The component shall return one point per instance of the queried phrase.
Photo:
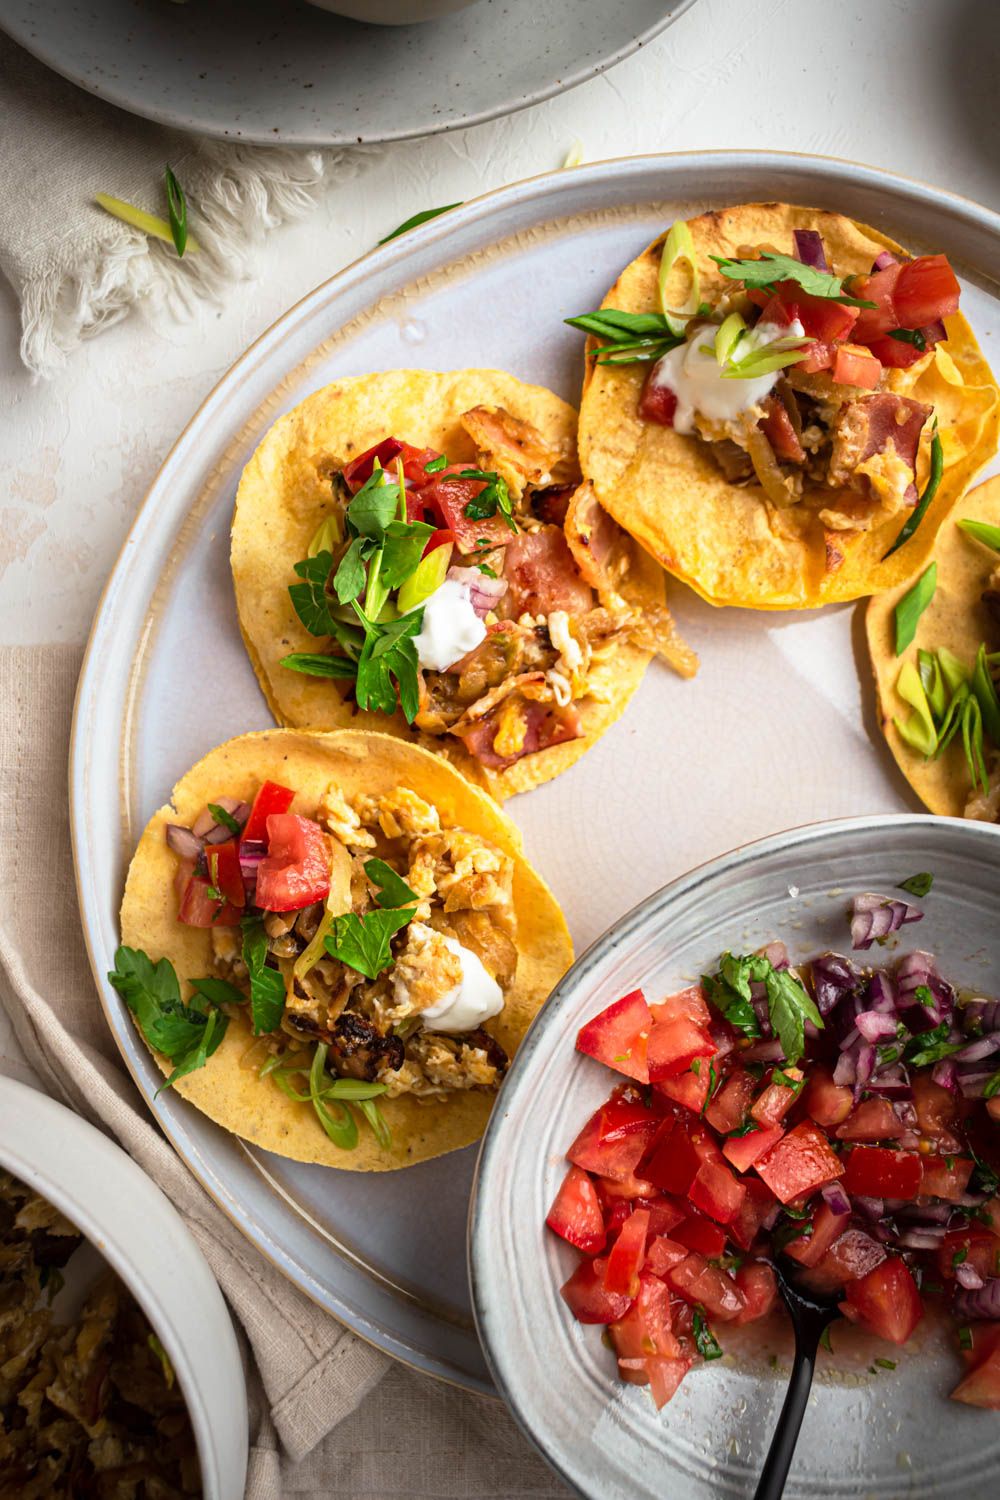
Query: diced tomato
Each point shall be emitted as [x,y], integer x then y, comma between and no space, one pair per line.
[717,1192]
[664,1213]
[774,310]
[630,1187]
[689,1089]
[852,1255]
[853,365]
[360,469]
[296,869]
[777,427]
[576,1213]
[587,1297]
[887,1300]
[872,1120]
[678,1155]
[756,1207]
[442,537]
[657,403]
[826,1102]
[448,496]
[200,909]
[616,1212]
[271,798]
[877,1172]
[938,1179]
[936,1108]
[990,1215]
[879,288]
[775,1101]
[728,1107]
[819,355]
[981,1387]
[689,1003]
[895,354]
[224,871]
[984,1339]
[617,1037]
[614,1139]
[826,1228]
[627,1255]
[665,1375]
[758,1287]
[646,1327]
[744,1150]
[820,318]
[699,1233]
[799,1163]
[926,289]
[976,1247]
[673,1046]
[663,1253]
[707,1286]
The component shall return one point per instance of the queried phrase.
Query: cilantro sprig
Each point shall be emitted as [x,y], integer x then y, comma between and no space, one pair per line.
[773,267]
[186,1034]
[493,498]
[789,1006]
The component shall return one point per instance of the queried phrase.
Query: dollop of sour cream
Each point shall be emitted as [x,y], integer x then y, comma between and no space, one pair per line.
[470,1003]
[695,376]
[450,627]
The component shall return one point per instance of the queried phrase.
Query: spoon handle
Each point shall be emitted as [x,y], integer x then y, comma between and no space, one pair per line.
[782,1450]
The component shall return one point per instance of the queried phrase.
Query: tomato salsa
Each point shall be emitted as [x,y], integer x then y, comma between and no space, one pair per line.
[841,1116]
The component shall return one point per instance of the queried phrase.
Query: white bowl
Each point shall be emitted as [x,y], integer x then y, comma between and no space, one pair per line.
[139,1233]
[392,12]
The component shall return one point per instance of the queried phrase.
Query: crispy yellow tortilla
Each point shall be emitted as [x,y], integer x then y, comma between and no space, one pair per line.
[228,1088]
[957,618]
[285,493]
[727,541]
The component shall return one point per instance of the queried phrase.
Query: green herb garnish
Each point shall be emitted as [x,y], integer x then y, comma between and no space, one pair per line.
[267,986]
[186,1034]
[628,338]
[908,336]
[393,889]
[225,818]
[320,664]
[417,219]
[982,531]
[933,482]
[747,1128]
[790,1008]
[485,568]
[494,497]
[177,209]
[912,605]
[992,1086]
[362,943]
[436,465]
[773,267]
[917,885]
[931,1046]
[706,1343]
[965,1337]
[960,1257]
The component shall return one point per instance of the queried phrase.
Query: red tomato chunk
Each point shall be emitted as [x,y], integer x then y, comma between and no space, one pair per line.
[800,1163]
[617,1037]
[877,1172]
[627,1255]
[587,1297]
[614,1140]
[576,1213]
[887,1300]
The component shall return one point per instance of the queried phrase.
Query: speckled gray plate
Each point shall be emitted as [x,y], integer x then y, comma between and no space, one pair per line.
[887,1436]
[277,70]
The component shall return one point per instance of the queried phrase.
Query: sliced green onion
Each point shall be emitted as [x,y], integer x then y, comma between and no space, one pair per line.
[327,537]
[954,672]
[983,532]
[918,730]
[353,1089]
[934,480]
[728,335]
[177,208]
[933,683]
[986,696]
[952,720]
[678,248]
[417,219]
[574,155]
[912,605]
[776,356]
[972,744]
[428,576]
[376,1120]
[339,1124]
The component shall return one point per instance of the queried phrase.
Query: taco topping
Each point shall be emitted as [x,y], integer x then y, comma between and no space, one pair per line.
[839,1116]
[451,592]
[788,379]
[368,945]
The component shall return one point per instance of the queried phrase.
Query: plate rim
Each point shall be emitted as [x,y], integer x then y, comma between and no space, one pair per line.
[550,189]
[803,836]
[192,124]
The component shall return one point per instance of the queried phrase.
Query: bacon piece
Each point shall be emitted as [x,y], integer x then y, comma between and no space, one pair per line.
[657,402]
[542,576]
[505,442]
[777,427]
[867,426]
[546,725]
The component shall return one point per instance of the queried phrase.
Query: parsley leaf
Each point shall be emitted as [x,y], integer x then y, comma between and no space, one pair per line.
[931,1046]
[349,579]
[747,1128]
[362,943]
[186,1034]
[319,664]
[309,598]
[729,991]
[494,497]
[373,507]
[403,548]
[705,1341]
[912,336]
[790,1008]
[773,267]
[393,889]
[225,818]
[267,986]
[389,656]
[917,885]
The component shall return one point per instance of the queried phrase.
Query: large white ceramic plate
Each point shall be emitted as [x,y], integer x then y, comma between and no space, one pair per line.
[885,1436]
[281,70]
[774,731]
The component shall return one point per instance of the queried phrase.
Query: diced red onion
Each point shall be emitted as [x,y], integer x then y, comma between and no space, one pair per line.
[984,1302]
[183,842]
[833,977]
[211,832]
[973,1085]
[927,1213]
[772,1218]
[968,1277]
[484,592]
[892,1081]
[768,1051]
[252,851]
[776,954]
[921,1239]
[981,1015]
[836,1199]
[906,1113]
[945,1074]
[884,260]
[874,917]
[874,1027]
[846,1071]
[972,1200]
[871,1208]
[809,248]
[881,994]
[976,1051]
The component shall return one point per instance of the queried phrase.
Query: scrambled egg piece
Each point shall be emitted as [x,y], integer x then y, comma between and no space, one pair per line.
[338,817]
[399,814]
[459,867]
[512,727]
[438,1068]
[889,476]
[425,971]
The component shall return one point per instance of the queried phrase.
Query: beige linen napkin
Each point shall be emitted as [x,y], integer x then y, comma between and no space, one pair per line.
[76,269]
[405,1435]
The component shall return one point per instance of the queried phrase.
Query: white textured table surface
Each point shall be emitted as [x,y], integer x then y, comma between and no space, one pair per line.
[905,84]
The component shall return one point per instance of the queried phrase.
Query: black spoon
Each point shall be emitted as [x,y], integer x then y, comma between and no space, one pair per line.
[811,1316]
